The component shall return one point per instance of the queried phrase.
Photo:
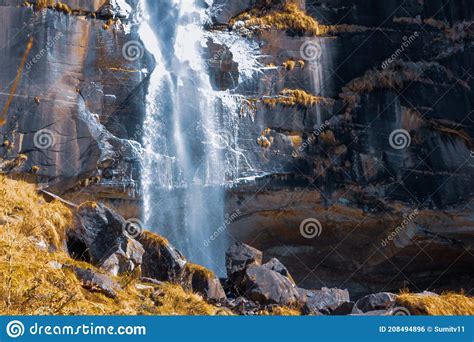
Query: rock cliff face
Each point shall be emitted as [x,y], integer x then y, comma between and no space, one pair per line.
[76,113]
[391,216]
[388,216]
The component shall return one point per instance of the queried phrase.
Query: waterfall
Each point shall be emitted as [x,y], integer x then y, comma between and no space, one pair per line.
[183,167]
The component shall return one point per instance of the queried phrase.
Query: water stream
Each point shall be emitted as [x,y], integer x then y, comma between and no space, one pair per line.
[184,168]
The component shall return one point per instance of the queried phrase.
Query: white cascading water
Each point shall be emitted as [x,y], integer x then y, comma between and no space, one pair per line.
[183,166]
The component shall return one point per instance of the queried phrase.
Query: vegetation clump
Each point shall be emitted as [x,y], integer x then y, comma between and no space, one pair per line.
[37,277]
[51,4]
[199,270]
[287,16]
[394,77]
[434,305]
[296,97]
[290,64]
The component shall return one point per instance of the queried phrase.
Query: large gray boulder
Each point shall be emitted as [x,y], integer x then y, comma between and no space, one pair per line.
[275,265]
[265,286]
[237,258]
[203,281]
[98,237]
[161,260]
[377,301]
[323,301]
[97,282]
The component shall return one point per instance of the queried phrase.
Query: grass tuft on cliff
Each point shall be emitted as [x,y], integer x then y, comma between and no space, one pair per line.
[446,304]
[296,97]
[32,281]
[287,16]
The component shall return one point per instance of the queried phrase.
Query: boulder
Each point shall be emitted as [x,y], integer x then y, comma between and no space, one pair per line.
[98,237]
[346,308]
[237,258]
[201,280]
[265,286]
[322,301]
[97,282]
[161,261]
[275,265]
[376,301]
[243,306]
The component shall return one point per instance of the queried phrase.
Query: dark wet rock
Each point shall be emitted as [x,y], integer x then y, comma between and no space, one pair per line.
[81,136]
[201,280]
[114,9]
[265,286]
[322,301]
[97,282]
[161,261]
[223,71]
[346,308]
[385,182]
[376,301]
[243,306]
[98,236]
[275,265]
[237,258]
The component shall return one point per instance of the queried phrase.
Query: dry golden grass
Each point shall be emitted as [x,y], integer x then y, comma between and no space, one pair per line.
[32,215]
[445,304]
[153,239]
[296,97]
[51,4]
[324,30]
[279,311]
[287,16]
[32,232]
[394,77]
[198,269]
